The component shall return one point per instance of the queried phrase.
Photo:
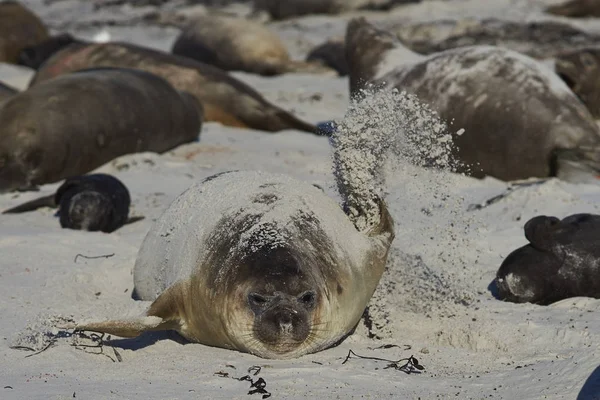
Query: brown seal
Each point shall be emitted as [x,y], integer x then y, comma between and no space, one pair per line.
[256,262]
[225,99]
[332,54]
[280,9]
[73,124]
[576,9]
[238,44]
[518,116]
[19,28]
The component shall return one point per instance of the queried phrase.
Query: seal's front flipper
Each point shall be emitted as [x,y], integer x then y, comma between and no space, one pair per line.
[128,327]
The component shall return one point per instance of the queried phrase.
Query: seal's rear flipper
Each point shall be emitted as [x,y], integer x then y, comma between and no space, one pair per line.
[46,201]
[128,328]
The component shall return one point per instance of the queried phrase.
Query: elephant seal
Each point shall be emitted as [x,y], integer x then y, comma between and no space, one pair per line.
[73,124]
[278,9]
[225,99]
[332,53]
[580,70]
[514,117]
[257,262]
[576,9]
[562,260]
[95,202]
[537,39]
[19,28]
[238,44]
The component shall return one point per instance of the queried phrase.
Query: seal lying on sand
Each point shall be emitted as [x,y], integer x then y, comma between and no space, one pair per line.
[576,9]
[538,39]
[75,123]
[238,44]
[580,69]
[562,260]
[19,28]
[225,99]
[518,116]
[279,9]
[257,262]
[95,202]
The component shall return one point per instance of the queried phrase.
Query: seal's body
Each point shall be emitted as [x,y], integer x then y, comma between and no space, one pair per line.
[562,260]
[224,98]
[576,9]
[95,202]
[75,123]
[257,262]
[19,28]
[238,44]
[517,114]
[6,92]
[580,69]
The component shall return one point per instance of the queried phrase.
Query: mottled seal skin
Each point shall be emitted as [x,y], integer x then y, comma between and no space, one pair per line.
[225,99]
[276,269]
[332,54]
[562,260]
[576,9]
[19,28]
[95,202]
[538,39]
[238,44]
[518,116]
[580,70]
[73,124]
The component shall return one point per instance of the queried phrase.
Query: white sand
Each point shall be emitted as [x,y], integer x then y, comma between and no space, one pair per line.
[433,300]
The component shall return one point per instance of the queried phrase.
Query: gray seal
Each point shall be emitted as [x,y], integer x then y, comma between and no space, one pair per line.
[514,118]
[72,124]
[257,262]
[562,260]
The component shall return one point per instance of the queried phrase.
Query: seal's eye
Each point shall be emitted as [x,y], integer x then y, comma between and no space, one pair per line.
[257,299]
[307,299]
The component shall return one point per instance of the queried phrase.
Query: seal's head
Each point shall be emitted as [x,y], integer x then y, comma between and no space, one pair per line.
[35,56]
[281,298]
[580,69]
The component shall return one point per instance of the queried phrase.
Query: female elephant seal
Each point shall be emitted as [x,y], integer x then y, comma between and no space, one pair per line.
[238,44]
[19,28]
[518,116]
[73,124]
[95,202]
[257,262]
[225,99]
[562,260]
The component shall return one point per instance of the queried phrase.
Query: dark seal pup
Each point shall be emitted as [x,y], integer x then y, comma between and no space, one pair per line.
[238,44]
[257,262]
[562,260]
[332,53]
[225,99]
[519,118]
[95,202]
[73,124]
[19,28]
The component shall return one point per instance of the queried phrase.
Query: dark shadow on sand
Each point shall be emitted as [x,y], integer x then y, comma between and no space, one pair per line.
[591,387]
[146,339]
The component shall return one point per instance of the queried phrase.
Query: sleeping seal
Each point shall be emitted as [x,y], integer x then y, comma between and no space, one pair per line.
[576,9]
[95,202]
[518,116]
[19,28]
[257,262]
[279,9]
[225,99]
[562,260]
[238,44]
[73,124]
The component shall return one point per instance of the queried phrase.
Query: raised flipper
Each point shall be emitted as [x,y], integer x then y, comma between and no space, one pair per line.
[46,201]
